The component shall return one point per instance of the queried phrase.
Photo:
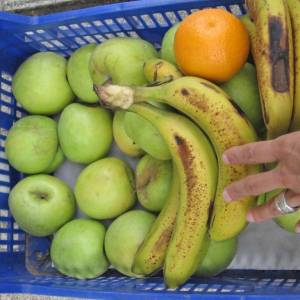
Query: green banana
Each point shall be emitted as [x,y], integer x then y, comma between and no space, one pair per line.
[294,10]
[272,50]
[220,119]
[157,71]
[151,254]
[196,167]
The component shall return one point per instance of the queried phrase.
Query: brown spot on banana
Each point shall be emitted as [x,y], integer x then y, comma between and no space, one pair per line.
[184,92]
[279,55]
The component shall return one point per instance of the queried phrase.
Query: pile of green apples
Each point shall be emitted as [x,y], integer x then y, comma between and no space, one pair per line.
[65,121]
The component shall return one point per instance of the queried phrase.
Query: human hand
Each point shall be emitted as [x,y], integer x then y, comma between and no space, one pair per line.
[285,150]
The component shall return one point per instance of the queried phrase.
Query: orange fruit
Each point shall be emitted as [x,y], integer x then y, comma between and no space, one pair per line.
[211,43]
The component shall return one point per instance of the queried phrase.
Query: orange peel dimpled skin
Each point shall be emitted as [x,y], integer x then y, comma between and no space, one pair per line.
[211,43]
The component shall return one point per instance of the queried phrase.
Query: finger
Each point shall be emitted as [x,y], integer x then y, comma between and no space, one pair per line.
[264,212]
[253,185]
[253,153]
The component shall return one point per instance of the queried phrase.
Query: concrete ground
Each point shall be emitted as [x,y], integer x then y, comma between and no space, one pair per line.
[41,7]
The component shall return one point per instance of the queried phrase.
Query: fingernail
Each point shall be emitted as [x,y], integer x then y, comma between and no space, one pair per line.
[225,159]
[226,196]
[250,218]
[297,229]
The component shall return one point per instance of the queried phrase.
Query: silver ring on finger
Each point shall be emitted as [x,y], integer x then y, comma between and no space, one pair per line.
[282,205]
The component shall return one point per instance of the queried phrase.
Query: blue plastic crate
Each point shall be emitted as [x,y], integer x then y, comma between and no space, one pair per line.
[20,37]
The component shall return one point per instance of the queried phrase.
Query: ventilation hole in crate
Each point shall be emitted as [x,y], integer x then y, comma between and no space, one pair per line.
[212,290]
[112,25]
[65,31]
[148,21]
[18,236]
[18,248]
[86,24]
[200,287]
[159,287]
[222,7]
[123,23]
[4,167]
[16,226]
[137,22]
[225,290]
[2,156]
[3,236]
[194,10]
[182,14]
[4,178]
[160,19]
[5,109]
[5,87]
[4,189]
[80,41]
[3,248]
[5,98]
[3,132]
[110,35]
[133,34]
[121,34]
[99,38]
[19,114]
[235,9]
[4,213]
[3,224]
[58,44]
[2,143]
[47,45]
[171,17]
[89,39]
[6,76]
[101,27]
[288,284]
[187,287]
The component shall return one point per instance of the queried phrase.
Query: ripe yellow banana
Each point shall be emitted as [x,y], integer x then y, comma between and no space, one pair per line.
[224,124]
[157,70]
[294,10]
[196,166]
[151,254]
[272,50]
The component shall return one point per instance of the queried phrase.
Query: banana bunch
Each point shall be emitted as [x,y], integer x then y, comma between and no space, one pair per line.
[294,10]
[195,211]
[273,25]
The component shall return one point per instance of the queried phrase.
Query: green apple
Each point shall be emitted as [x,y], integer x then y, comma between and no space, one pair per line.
[153,182]
[77,249]
[31,144]
[146,136]
[243,90]
[218,257]
[167,45]
[287,222]
[105,188]
[123,141]
[121,60]
[85,132]
[41,204]
[57,161]
[79,74]
[40,84]
[123,238]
